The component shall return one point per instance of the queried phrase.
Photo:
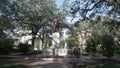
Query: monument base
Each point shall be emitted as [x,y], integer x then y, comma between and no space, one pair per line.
[55,50]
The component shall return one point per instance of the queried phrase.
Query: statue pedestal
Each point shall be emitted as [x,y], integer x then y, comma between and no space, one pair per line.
[56,39]
[55,43]
[57,49]
[62,52]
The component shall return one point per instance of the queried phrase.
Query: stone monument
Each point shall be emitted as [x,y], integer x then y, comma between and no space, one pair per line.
[56,49]
[55,37]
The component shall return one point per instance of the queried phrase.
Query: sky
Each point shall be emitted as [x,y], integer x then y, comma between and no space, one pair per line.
[59,2]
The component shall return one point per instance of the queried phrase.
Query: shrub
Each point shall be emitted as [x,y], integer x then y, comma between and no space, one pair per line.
[72,41]
[117,53]
[108,46]
[6,45]
[92,44]
[23,48]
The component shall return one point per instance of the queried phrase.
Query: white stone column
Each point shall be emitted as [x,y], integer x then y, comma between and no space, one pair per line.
[55,43]
[56,39]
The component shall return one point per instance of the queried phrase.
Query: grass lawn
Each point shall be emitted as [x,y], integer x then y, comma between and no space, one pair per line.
[4,63]
[95,65]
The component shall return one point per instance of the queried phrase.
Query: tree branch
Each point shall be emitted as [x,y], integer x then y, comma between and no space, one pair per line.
[92,7]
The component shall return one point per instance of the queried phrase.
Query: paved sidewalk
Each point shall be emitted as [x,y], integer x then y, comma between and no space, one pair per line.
[46,63]
[59,62]
[34,61]
[81,59]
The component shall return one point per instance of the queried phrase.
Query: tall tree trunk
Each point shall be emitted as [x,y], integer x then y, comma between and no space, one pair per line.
[43,43]
[43,38]
[33,42]
[1,32]
[33,39]
[44,47]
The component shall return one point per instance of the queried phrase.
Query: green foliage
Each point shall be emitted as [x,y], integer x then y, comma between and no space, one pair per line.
[49,41]
[31,15]
[37,42]
[100,29]
[117,53]
[104,45]
[6,45]
[23,48]
[108,46]
[103,38]
[62,42]
[5,22]
[81,8]
[72,41]
[92,44]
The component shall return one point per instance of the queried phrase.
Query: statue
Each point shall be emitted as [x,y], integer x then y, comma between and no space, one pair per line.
[56,25]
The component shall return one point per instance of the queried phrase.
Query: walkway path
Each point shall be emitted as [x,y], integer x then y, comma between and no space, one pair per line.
[58,62]
[81,59]
[37,61]
[46,63]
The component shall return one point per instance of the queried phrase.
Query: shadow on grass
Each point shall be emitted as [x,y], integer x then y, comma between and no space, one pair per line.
[4,63]
[101,64]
